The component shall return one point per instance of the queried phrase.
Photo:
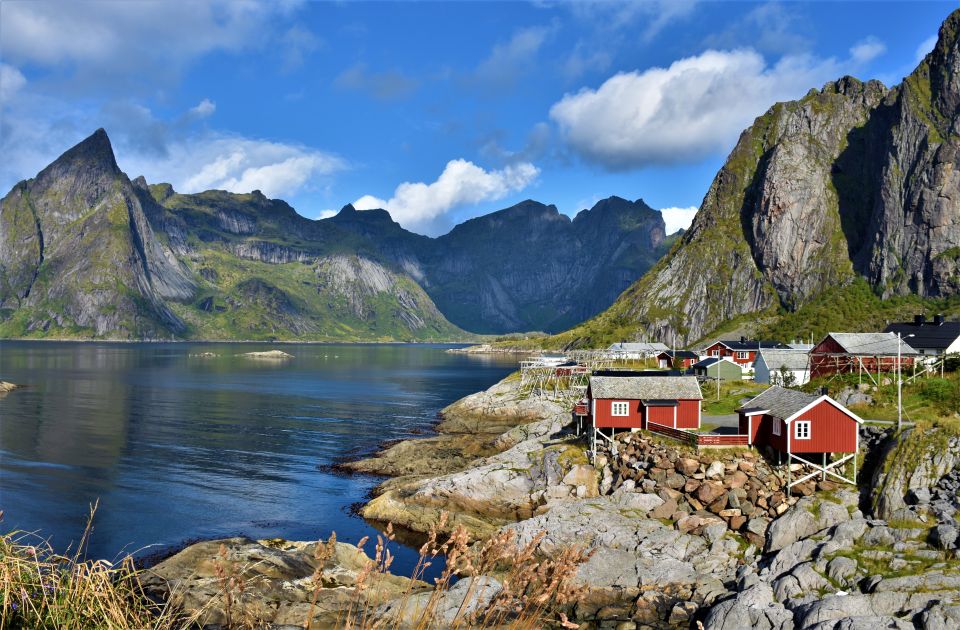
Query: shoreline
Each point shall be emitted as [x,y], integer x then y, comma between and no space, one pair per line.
[243,341]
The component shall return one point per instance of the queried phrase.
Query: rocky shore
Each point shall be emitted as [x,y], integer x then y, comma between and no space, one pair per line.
[677,537]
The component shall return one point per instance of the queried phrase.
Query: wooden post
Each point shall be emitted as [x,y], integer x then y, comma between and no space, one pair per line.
[823,475]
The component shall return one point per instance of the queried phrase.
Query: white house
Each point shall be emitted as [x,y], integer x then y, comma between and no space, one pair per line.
[773,366]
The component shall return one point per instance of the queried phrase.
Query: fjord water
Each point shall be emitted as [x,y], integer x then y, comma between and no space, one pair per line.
[178,446]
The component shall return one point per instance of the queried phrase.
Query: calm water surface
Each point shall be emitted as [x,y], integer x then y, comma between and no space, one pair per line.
[178,447]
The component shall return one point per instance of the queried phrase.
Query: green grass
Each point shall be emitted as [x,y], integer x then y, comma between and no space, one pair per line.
[927,400]
[731,394]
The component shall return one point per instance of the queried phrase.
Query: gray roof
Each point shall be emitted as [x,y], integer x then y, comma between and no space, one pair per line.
[930,335]
[806,347]
[871,344]
[781,402]
[638,347]
[646,387]
[789,359]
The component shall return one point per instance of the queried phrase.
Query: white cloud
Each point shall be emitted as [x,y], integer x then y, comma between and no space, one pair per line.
[36,129]
[694,108]
[925,47]
[678,218]
[326,214]
[510,60]
[109,44]
[236,164]
[867,50]
[582,60]
[613,16]
[461,183]
[298,43]
[11,80]
[204,108]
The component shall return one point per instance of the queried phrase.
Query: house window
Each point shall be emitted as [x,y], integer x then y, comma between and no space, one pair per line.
[776,426]
[715,353]
[620,409]
[801,430]
[743,355]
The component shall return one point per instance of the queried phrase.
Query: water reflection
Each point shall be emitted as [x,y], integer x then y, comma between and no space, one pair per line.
[177,446]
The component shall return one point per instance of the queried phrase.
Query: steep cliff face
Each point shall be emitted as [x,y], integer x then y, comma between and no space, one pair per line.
[851,180]
[89,253]
[77,252]
[531,268]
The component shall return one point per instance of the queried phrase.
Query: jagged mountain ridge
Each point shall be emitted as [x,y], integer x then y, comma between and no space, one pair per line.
[223,265]
[852,181]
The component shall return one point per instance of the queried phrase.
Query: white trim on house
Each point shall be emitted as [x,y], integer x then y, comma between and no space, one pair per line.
[619,408]
[813,404]
[802,429]
[749,429]
[759,412]
[675,414]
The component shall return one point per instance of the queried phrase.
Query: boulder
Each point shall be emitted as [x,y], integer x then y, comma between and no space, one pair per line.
[809,516]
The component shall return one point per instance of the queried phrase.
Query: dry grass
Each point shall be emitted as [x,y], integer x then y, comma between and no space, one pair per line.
[42,589]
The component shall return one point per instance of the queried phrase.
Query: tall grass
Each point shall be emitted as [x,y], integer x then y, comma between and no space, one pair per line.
[42,589]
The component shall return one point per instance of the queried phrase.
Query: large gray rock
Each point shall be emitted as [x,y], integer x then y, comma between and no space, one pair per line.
[807,517]
[453,607]
[751,608]
[901,473]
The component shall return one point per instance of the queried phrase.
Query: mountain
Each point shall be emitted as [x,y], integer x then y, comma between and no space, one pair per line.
[78,253]
[533,268]
[853,184]
[85,252]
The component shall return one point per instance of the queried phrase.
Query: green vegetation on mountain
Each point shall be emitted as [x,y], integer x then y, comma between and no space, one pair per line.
[836,211]
[87,253]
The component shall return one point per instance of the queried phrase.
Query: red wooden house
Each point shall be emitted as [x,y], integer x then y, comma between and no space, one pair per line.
[677,359]
[632,402]
[742,352]
[804,428]
[863,353]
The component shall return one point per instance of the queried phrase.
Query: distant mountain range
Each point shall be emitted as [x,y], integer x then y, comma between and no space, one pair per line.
[85,252]
[832,210]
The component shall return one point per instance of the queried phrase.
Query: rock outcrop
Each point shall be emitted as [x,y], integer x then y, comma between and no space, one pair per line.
[282,583]
[854,180]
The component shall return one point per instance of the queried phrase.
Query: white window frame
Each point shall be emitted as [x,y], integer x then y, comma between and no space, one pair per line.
[619,408]
[743,355]
[715,353]
[807,426]
[776,426]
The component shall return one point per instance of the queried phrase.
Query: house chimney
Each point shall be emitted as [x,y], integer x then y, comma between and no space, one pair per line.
[938,319]
[919,320]
[743,340]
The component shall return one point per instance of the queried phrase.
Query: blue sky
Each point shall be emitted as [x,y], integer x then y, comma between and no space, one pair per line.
[436,111]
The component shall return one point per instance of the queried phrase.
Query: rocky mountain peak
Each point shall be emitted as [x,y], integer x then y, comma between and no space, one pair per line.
[93,154]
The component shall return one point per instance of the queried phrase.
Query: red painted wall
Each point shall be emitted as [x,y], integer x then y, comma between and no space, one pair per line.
[661,415]
[831,431]
[750,428]
[604,418]
[688,414]
[731,354]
